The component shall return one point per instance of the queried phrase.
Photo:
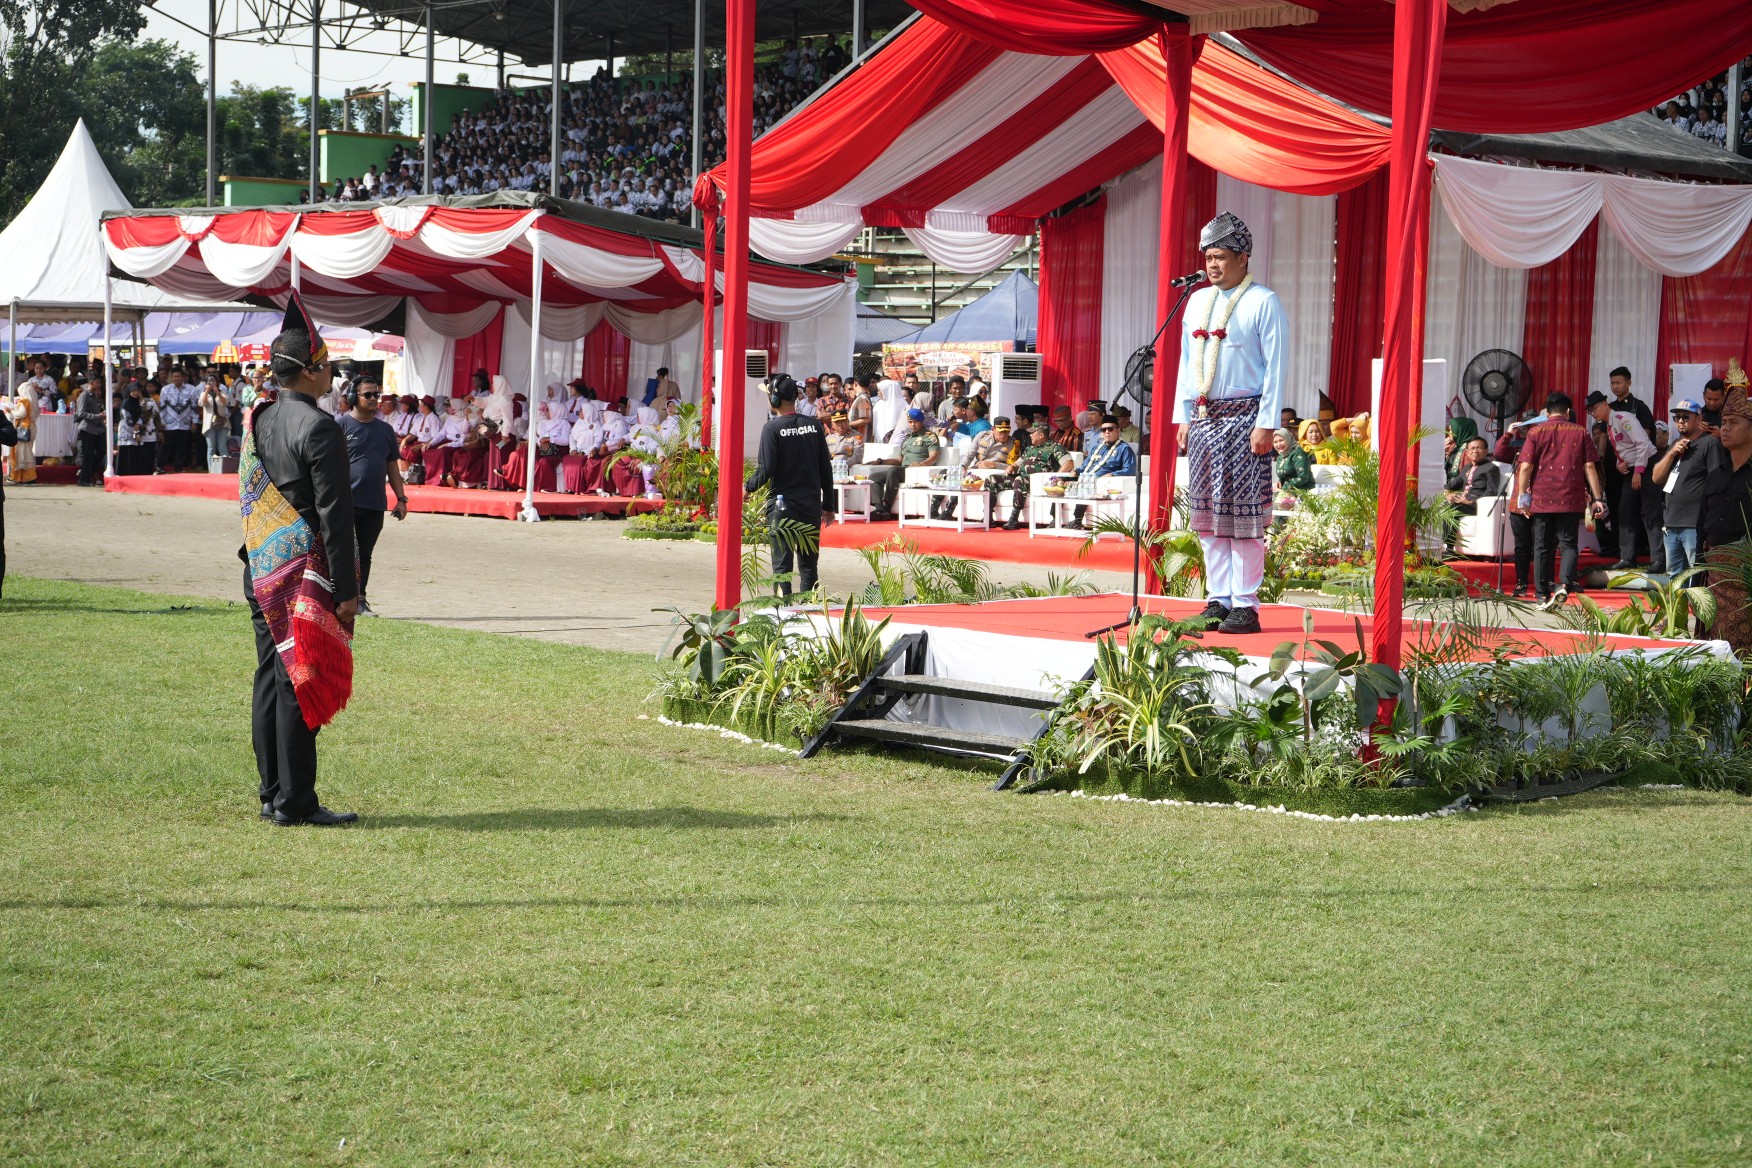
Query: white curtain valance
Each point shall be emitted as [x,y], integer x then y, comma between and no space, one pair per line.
[796,241]
[457,325]
[967,252]
[1522,217]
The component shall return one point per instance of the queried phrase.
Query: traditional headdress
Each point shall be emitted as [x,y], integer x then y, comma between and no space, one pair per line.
[1226,231]
[1736,405]
[299,341]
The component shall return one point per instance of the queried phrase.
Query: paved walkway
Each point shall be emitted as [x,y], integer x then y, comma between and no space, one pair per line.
[572,581]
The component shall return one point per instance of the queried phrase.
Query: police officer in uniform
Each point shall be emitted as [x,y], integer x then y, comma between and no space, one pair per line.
[794,460]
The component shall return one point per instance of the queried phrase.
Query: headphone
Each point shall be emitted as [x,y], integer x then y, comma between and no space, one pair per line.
[350,395]
[781,389]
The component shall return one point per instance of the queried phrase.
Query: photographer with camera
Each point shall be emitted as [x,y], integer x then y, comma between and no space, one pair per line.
[794,460]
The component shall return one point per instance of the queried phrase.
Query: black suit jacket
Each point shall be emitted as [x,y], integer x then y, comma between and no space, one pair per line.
[305,454]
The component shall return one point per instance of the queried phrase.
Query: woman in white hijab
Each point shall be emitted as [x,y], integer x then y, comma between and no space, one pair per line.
[622,477]
[581,470]
[551,437]
[500,408]
[468,463]
[440,456]
[886,410]
[646,437]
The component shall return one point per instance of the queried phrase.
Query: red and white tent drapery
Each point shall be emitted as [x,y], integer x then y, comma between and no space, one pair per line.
[455,264]
[459,268]
[1407,60]
[970,160]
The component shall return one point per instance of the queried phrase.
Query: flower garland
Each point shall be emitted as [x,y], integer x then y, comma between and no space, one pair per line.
[1204,353]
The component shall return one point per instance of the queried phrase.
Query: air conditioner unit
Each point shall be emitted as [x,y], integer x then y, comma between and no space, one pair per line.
[1015,381]
[755,370]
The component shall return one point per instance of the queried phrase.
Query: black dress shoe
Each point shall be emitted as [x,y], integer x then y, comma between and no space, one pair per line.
[321,817]
[1241,619]
[1215,610]
[267,811]
[1621,566]
[1014,525]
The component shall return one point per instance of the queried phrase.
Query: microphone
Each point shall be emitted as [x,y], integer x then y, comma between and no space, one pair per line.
[1188,281]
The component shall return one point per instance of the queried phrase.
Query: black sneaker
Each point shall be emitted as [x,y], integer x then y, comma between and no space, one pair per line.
[1241,619]
[1215,610]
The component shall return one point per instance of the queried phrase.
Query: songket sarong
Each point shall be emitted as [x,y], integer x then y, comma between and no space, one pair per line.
[289,574]
[1228,486]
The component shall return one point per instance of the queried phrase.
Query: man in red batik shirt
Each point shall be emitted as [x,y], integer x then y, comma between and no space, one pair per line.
[1558,477]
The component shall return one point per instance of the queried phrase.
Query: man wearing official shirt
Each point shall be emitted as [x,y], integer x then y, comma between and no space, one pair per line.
[1682,472]
[793,459]
[89,412]
[179,409]
[1233,348]
[1111,455]
[1639,504]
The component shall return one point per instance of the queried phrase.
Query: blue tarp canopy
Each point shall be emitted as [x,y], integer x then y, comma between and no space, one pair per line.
[1008,312]
[171,332]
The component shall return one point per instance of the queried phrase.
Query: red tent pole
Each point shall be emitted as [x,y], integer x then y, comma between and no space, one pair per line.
[1418,28]
[707,337]
[1178,52]
[739,111]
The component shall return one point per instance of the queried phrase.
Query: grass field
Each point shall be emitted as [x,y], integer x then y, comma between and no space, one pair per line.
[563,935]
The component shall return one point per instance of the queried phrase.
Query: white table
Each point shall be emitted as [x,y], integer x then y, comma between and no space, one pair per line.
[962,496]
[1064,509]
[56,436]
[854,501]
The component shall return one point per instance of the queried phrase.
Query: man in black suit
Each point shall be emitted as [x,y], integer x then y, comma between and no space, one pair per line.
[304,454]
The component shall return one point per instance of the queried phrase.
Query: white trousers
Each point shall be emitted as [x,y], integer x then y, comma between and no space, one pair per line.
[1234,569]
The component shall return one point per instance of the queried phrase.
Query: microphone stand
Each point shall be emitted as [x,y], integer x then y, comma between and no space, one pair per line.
[1137,612]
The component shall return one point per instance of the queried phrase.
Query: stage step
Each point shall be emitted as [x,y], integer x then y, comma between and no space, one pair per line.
[973,691]
[934,737]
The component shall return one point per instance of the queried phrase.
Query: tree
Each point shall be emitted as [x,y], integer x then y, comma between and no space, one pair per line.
[49,46]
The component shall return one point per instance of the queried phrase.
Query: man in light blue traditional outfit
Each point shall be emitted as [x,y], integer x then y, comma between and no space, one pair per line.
[1233,344]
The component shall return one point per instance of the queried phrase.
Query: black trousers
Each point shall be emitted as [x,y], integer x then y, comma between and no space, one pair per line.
[2,540]
[285,748]
[885,482]
[801,552]
[90,458]
[1554,530]
[1521,527]
[177,450]
[1641,517]
[367,526]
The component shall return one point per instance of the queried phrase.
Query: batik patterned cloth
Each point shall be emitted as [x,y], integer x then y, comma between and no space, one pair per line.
[289,573]
[1230,486]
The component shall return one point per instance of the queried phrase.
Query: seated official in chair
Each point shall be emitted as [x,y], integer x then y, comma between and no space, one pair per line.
[1042,455]
[919,448]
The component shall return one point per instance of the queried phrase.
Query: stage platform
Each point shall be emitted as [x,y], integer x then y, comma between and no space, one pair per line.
[425,500]
[1043,643]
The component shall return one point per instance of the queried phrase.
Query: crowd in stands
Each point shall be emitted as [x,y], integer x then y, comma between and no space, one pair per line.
[1702,111]
[625,145]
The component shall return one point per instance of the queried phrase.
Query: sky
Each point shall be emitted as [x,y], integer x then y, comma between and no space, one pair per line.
[289,64]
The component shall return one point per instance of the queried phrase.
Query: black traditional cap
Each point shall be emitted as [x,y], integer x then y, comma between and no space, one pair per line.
[299,341]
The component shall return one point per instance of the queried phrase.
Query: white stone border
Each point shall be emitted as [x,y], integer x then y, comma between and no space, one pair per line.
[721,732]
[1463,803]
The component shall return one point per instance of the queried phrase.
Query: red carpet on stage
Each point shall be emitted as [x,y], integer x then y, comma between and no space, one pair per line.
[1008,547]
[424,500]
[1070,618]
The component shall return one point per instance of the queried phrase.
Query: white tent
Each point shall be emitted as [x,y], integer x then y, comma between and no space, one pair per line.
[52,266]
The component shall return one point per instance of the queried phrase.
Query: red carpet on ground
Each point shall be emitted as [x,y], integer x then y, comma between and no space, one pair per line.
[425,500]
[1071,618]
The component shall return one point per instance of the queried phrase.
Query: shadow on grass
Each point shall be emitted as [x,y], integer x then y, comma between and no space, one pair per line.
[593,819]
[46,606]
